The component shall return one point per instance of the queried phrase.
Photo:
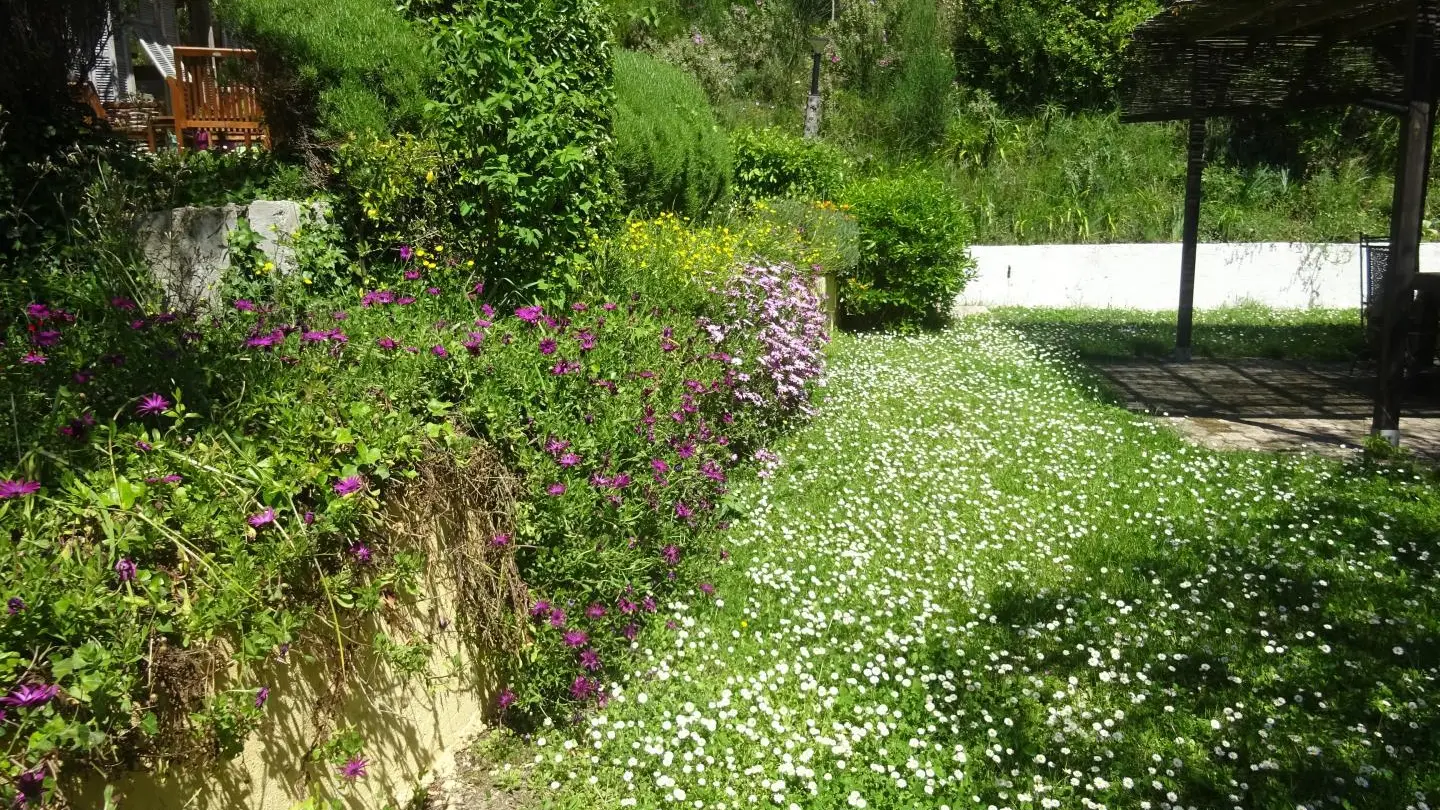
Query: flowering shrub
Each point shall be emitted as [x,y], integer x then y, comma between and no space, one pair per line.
[774,309]
[186,484]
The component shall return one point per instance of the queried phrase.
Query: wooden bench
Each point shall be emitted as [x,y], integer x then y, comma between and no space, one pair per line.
[214,91]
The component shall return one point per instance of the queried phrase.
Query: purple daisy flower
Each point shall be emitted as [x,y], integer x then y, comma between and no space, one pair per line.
[707,589]
[569,460]
[406,252]
[412,275]
[386,343]
[360,552]
[547,346]
[144,446]
[30,695]
[589,660]
[15,605]
[349,486]
[125,569]
[506,700]
[261,696]
[31,787]
[575,638]
[34,359]
[152,404]
[244,305]
[582,688]
[439,351]
[354,768]
[262,518]
[529,314]
[540,609]
[557,489]
[18,489]
[500,540]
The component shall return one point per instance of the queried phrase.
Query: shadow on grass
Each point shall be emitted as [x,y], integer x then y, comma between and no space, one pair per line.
[1127,339]
[1308,628]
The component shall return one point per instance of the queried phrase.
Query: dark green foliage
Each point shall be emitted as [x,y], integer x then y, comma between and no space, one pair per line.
[913,258]
[773,163]
[1046,51]
[333,67]
[670,152]
[521,112]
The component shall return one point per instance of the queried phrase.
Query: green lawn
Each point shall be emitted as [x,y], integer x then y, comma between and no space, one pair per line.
[970,583]
[1237,331]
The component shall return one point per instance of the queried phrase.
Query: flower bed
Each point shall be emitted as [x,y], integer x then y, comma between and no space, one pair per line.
[216,482]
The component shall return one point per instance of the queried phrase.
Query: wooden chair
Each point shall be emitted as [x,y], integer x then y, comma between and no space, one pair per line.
[214,91]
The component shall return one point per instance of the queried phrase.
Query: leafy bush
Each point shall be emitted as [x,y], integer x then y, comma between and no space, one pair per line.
[333,67]
[913,258]
[670,152]
[391,192]
[522,111]
[771,163]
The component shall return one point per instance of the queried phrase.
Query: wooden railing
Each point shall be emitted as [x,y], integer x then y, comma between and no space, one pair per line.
[214,91]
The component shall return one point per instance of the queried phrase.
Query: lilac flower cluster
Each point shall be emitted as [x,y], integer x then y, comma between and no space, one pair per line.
[773,311]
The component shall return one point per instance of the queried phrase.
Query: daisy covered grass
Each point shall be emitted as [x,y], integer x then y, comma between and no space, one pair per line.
[969,583]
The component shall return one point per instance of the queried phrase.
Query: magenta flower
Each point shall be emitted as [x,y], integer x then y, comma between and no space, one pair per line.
[125,569]
[671,555]
[122,303]
[626,606]
[500,540]
[659,465]
[18,489]
[361,552]
[354,768]
[557,618]
[308,518]
[439,351]
[262,519]
[386,343]
[540,609]
[34,359]
[582,688]
[506,700]
[595,611]
[29,695]
[575,638]
[529,314]
[569,460]
[631,631]
[261,696]
[340,315]
[412,275]
[556,489]
[707,589]
[244,305]
[14,605]
[589,660]
[405,300]
[349,486]
[30,787]
[39,311]
[682,511]
[406,252]
[432,290]
[144,446]
[547,346]
[152,404]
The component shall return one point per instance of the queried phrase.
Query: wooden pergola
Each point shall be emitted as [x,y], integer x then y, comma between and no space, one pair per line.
[1200,59]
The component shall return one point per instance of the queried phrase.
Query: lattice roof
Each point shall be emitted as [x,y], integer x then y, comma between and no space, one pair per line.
[1220,57]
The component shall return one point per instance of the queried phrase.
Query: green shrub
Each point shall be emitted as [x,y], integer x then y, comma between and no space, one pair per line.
[391,192]
[828,230]
[670,152]
[771,163]
[333,67]
[522,112]
[913,257]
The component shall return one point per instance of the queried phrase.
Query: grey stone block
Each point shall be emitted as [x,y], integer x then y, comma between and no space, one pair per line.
[187,251]
[276,222]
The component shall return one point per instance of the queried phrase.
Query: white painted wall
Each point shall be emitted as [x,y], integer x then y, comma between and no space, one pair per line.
[1280,274]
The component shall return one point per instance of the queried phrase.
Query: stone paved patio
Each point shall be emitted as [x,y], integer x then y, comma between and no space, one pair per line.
[1269,405]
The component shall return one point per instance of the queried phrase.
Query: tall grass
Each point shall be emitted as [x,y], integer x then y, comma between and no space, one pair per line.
[1057,177]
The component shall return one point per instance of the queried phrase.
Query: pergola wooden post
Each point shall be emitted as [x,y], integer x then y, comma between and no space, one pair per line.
[1417,131]
[1190,237]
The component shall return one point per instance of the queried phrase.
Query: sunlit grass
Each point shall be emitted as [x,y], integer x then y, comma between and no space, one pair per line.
[1228,332]
[972,584]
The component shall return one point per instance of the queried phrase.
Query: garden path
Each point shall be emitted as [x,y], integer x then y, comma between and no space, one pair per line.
[971,583]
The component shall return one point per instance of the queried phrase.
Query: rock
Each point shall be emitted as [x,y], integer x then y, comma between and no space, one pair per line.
[187,251]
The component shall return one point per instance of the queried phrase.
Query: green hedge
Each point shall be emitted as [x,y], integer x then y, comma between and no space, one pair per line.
[772,164]
[670,152]
[913,258]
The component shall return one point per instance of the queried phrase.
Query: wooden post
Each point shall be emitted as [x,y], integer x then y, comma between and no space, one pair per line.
[1190,238]
[1416,131]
